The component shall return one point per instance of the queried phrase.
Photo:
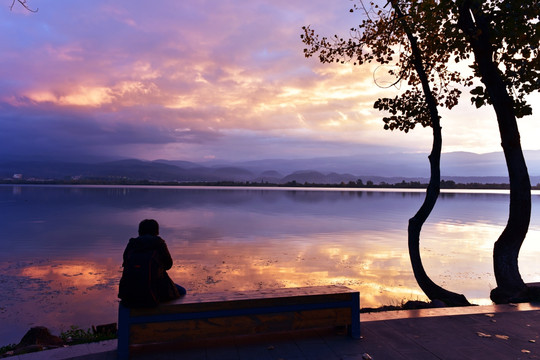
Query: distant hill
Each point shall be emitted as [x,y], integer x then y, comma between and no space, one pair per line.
[315,177]
[458,166]
[409,165]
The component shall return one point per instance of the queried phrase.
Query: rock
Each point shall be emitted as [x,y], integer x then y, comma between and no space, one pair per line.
[438,304]
[39,336]
[28,349]
[500,296]
[415,304]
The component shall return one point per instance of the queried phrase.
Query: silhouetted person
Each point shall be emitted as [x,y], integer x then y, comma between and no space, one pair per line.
[146,259]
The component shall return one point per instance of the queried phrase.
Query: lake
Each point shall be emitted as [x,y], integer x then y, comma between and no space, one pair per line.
[62,245]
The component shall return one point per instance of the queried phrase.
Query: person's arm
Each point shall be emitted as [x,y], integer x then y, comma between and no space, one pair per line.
[165,255]
[126,251]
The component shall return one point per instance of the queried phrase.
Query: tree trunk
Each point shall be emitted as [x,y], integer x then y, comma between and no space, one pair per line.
[510,285]
[432,290]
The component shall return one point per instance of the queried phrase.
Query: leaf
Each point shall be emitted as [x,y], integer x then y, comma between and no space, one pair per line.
[478,91]
[478,101]
[483,335]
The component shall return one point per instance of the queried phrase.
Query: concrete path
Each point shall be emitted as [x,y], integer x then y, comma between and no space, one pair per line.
[503,332]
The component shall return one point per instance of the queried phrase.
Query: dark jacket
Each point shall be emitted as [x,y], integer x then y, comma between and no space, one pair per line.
[149,243]
[164,287]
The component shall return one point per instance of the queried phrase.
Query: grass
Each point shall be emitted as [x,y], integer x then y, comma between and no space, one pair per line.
[7,348]
[76,335]
[405,304]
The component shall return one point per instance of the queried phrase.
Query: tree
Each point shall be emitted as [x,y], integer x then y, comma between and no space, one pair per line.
[504,38]
[420,64]
[432,290]
[509,71]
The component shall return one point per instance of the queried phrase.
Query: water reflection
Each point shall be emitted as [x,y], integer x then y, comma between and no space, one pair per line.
[65,245]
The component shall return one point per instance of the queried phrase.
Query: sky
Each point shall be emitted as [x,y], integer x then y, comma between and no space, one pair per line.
[198,81]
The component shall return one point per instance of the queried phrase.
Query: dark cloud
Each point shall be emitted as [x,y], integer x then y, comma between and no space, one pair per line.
[28,132]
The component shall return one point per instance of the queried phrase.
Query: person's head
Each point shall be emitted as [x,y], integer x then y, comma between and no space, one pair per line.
[148,227]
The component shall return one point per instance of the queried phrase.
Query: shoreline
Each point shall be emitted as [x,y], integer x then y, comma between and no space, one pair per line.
[403,185]
[491,313]
[95,332]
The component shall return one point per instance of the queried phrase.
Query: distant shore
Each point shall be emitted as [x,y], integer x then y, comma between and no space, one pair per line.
[445,184]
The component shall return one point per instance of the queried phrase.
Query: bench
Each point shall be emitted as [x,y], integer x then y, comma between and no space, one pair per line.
[201,316]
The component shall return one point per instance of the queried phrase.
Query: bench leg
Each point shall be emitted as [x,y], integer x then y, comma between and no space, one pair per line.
[355,316]
[123,333]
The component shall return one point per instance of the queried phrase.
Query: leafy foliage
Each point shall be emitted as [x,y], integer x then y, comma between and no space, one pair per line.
[514,33]
[381,38]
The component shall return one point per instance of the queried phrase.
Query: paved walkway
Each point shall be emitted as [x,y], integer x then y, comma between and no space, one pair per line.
[503,332]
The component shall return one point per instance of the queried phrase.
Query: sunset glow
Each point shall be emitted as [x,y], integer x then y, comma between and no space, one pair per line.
[127,75]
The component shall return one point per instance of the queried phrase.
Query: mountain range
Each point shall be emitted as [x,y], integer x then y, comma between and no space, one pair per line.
[461,167]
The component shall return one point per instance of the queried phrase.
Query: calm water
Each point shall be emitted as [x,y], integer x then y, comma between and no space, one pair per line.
[62,246]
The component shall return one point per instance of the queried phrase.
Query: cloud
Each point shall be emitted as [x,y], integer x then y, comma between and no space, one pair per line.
[221,79]
[43,131]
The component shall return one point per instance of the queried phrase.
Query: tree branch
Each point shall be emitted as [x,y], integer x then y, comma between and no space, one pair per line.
[24,4]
